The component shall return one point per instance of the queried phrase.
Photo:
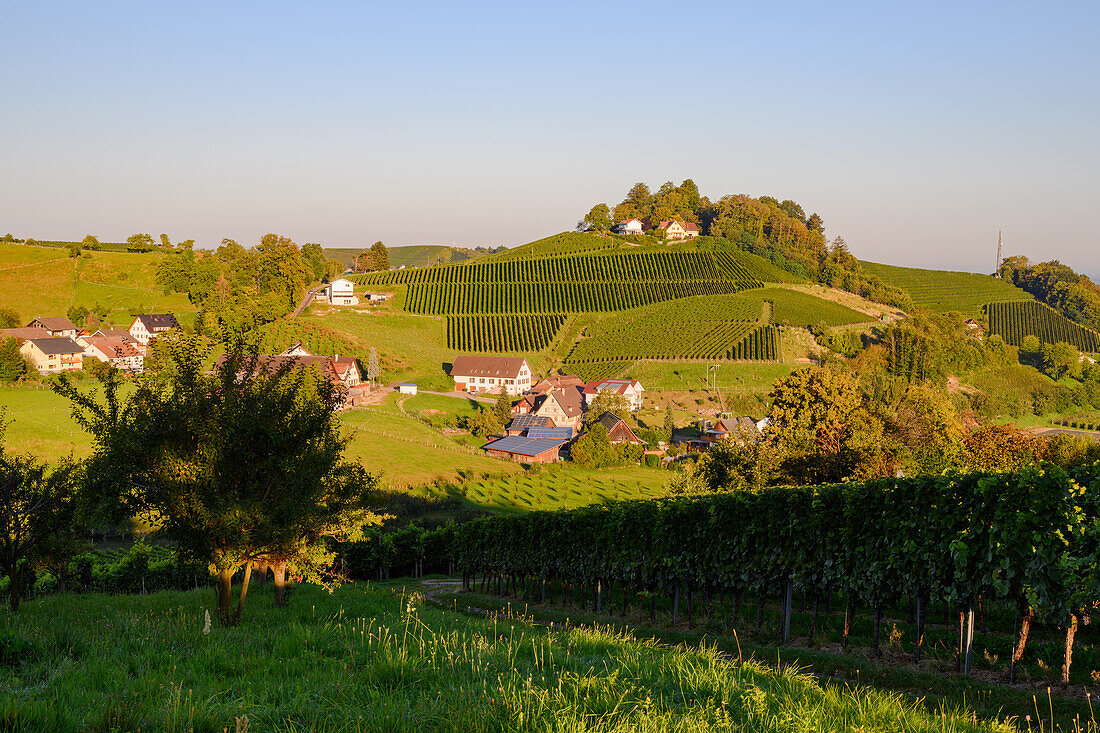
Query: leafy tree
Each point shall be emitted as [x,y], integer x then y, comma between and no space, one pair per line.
[315,259]
[241,465]
[9,318]
[1060,359]
[12,364]
[484,423]
[502,407]
[165,241]
[670,424]
[1031,345]
[608,401]
[599,218]
[594,448]
[1000,449]
[140,243]
[38,506]
[373,370]
[73,249]
[90,242]
[738,465]
[78,314]
[380,255]
[281,269]
[816,224]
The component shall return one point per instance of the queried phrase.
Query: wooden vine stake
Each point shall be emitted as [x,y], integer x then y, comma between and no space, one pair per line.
[968,650]
[787,614]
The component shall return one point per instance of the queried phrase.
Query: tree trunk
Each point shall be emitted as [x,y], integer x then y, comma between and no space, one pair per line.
[225,596]
[1018,653]
[1071,631]
[878,631]
[244,591]
[849,612]
[813,619]
[261,570]
[61,575]
[279,571]
[691,607]
[15,588]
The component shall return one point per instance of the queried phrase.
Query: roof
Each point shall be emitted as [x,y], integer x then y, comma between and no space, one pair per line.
[54,323]
[114,347]
[557,382]
[524,446]
[570,399]
[25,333]
[487,366]
[690,227]
[614,385]
[609,420]
[624,222]
[59,345]
[665,224]
[271,365]
[525,421]
[113,333]
[159,321]
[562,433]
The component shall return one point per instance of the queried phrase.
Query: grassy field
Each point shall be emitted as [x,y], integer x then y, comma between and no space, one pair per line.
[368,659]
[942,290]
[41,281]
[664,376]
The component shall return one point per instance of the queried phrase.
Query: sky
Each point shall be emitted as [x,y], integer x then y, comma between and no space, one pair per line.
[916,130]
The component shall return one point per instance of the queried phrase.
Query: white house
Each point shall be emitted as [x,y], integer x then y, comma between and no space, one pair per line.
[678,229]
[341,292]
[55,326]
[490,373]
[630,389]
[406,388]
[630,226]
[119,353]
[146,327]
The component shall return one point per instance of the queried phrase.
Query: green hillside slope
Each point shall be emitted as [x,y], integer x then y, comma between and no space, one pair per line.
[416,255]
[943,290]
[43,281]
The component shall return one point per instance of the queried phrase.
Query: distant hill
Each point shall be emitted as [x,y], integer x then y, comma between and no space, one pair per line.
[944,290]
[416,255]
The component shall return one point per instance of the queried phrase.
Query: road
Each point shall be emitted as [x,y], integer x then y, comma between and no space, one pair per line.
[305,302]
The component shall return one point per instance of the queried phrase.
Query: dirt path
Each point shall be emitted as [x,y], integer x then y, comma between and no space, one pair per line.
[310,295]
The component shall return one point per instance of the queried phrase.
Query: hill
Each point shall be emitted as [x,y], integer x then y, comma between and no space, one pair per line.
[944,290]
[40,281]
[415,255]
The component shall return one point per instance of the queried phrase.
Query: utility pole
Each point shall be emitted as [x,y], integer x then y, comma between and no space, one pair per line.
[1000,246]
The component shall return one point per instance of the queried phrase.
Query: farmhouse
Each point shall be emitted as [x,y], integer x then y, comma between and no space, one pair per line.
[678,230]
[548,384]
[630,226]
[114,333]
[52,355]
[341,292]
[564,407]
[617,429]
[630,389]
[147,326]
[490,373]
[525,450]
[57,326]
[740,430]
[119,353]
[342,372]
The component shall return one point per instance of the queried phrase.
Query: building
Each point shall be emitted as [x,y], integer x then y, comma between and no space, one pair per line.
[678,230]
[57,326]
[630,389]
[146,327]
[119,353]
[565,407]
[489,373]
[30,332]
[345,369]
[739,430]
[373,297]
[51,355]
[551,383]
[114,333]
[522,423]
[407,388]
[617,429]
[630,226]
[341,292]
[526,450]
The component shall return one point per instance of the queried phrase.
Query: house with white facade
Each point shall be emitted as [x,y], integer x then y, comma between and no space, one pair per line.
[630,226]
[52,355]
[629,389]
[119,353]
[678,230]
[146,327]
[55,326]
[490,373]
[341,292]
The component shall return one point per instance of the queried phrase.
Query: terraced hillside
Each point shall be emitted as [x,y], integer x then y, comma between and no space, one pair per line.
[416,255]
[943,290]
[1014,320]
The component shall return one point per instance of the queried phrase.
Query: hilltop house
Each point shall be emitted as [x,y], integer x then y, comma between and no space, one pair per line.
[146,327]
[341,292]
[630,389]
[56,326]
[119,353]
[490,373]
[51,355]
[678,230]
[630,226]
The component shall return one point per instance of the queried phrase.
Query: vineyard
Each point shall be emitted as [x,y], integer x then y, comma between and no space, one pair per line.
[1006,544]
[942,290]
[575,283]
[533,332]
[1012,321]
[1092,424]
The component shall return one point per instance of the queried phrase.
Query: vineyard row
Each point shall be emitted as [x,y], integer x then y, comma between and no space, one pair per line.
[533,332]
[1015,320]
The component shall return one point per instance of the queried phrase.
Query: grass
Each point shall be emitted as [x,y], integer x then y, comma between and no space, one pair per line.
[933,681]
[40,423]
[417,255]
[367,659]
[942,290]
[664,376]
[44,281]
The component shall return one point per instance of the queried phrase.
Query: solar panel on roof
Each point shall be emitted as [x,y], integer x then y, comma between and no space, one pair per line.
[524,446]
[562,433]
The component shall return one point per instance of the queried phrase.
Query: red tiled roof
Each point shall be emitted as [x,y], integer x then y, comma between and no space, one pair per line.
[614,385]
[487,366]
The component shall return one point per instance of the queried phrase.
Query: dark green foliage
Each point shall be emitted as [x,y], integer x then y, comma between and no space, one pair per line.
[9,318]
[1073,294]
[12,364]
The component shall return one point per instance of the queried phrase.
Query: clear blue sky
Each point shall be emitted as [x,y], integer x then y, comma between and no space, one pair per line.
[915,129]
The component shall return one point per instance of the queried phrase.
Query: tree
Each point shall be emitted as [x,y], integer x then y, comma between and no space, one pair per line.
[608,401]
[140,243]
[484,423]
[670,424]
[280,269]
[815,223]
[380,256]
[90,242]
[599,218]
[78,314]
[165,241]
[9,318]
[1060,359]
[1030,345]
[502,407]
[373,370]
[37,507]
[241,465]
[12,364]
[315,259]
